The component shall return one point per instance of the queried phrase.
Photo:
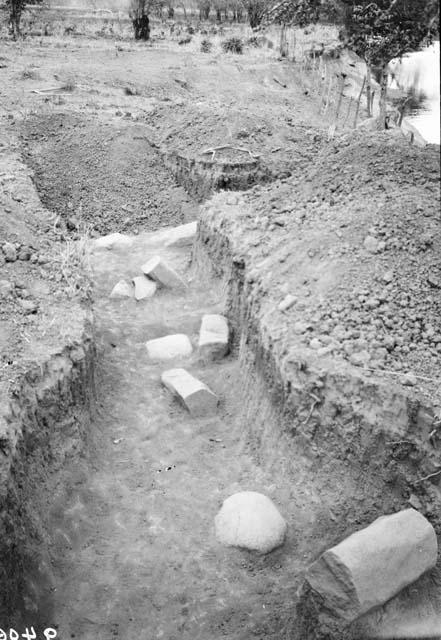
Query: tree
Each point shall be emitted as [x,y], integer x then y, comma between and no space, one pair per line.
[386,29]
[15,9]
[290,13]
[139,15]
[256,10]
[204,9]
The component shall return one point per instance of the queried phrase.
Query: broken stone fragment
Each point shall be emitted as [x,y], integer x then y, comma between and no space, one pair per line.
[174,346]
[250,520]
[144,288]
[28,306]
[287,302]
[114,241]
[10,252]
[374,564]
[213,336]
[197,397]
[162,273]
[6,288]
[122,289]
[371,244]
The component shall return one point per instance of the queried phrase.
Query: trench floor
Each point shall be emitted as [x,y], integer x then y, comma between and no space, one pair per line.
[134,553]
[133,528]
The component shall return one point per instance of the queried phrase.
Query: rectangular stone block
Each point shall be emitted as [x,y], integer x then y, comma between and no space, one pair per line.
[197,397]
[174,346]
[144,288]
[374,564]
[214,337]
[163,274]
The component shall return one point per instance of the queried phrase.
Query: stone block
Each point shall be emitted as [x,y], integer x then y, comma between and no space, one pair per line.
[122,289]
[144,288]
[174,346]
[163,274]
[114,241]
[196,396]
[250,520]
[182,236]
[214,336]
[372,565]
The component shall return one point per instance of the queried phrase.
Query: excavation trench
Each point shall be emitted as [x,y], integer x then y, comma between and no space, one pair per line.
[127,526]
[130,524]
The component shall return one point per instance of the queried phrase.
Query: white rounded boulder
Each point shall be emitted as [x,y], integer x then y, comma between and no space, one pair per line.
[251,521]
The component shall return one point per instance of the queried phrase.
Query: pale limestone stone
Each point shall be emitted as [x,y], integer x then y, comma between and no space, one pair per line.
[174,346]
[144,288]
[214,336]
[114,241]
[374,564]
[162,273]
[197,397]
[182,236]
[251,521]
[122,289]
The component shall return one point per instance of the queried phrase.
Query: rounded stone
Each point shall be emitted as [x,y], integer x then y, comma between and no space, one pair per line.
[250,520]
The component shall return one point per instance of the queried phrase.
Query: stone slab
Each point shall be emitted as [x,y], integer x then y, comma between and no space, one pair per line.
[197,397]
[372,565]
[113,241]
[214,336]
[182,236]
[250,520]
[168,347]
[122,289]
[157,269]
[144,288]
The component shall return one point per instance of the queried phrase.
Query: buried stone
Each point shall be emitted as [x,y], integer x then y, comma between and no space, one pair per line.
[213,337]
[250,520]
[163,274]
[182,236]
[122,289]
[174,346]
[113,241]
[196,396]
[372,565]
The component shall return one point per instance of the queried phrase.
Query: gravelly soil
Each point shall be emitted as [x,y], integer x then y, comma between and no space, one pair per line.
[363,262]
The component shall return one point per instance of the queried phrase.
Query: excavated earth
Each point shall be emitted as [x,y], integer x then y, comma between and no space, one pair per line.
[334,291]
[330,400]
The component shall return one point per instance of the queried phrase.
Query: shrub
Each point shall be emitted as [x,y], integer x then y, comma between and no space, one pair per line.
[206,46]
[232,45]
[253,42]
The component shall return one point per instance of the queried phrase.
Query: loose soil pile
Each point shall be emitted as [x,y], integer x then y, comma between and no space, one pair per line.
[103,174]
[355,237]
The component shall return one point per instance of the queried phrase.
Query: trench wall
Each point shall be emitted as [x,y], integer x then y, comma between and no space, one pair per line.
[44,419]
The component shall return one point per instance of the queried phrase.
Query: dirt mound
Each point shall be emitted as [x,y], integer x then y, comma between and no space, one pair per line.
[104,174]
[363,262]
[332,279]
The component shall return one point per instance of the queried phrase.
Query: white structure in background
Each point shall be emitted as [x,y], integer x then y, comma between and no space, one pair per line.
[420,72]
